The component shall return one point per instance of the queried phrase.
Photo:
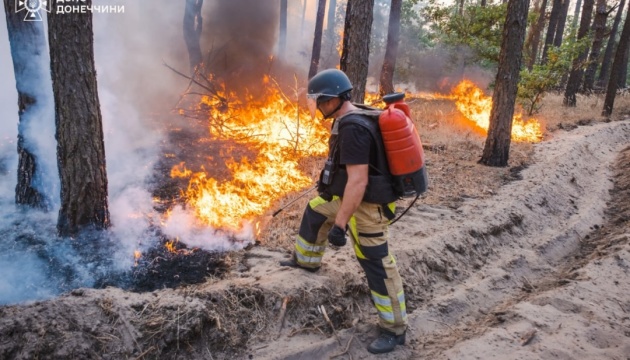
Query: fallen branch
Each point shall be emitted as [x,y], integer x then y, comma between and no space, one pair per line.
[346,350]
[129,329]
[621,305]
[145,353]
[297,331]
[212,91]
[322,310]
[283,311]
[443,323]
[531,287]
[525,339]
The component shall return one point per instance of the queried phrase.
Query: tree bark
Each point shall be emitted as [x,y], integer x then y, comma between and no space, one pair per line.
[599,31]
[618,64]
[621,83]
[330,30]
[610,46]
[497,147]
[282,37]
[28,43]
[535,33]
[551,28]
[193,24]
[356,45]
[305,5]
[386,85]
[562,20]
[577,70]
[317,38]
[576,14]
[80,147]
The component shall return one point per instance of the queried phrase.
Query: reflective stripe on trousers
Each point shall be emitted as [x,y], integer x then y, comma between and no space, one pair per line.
[369,232]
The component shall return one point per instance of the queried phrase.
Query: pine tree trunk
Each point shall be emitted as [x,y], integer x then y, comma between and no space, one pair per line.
[28,43]
[577,70]
[617,66]
[599,31]
[282,37]
[330,30]
[535,32]
[551,28]
[80,147]
[317,38]
[391,51]
[305,5]
[497,147]
[356,45]
[576,15]
[193,24]
[610,46]
[621,83]
[562,20]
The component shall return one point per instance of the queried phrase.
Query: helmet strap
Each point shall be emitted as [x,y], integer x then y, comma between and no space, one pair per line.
[342,100]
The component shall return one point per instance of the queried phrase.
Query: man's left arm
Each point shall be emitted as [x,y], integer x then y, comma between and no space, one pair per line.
[353,193]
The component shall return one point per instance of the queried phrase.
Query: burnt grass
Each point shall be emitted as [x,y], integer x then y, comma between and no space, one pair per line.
[66,261]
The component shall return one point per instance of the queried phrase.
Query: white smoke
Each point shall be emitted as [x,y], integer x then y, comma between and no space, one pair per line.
[137,95]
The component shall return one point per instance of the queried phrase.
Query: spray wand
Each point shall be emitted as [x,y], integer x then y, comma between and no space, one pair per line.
[292,201]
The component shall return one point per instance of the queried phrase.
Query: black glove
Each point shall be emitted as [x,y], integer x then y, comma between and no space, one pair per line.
[337,236]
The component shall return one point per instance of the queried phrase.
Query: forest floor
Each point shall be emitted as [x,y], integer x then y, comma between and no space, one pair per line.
[526,262]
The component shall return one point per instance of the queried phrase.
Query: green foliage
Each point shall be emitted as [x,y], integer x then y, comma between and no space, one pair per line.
[479,28]
[535,84]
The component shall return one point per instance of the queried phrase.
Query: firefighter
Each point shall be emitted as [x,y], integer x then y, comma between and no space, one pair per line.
[355,197]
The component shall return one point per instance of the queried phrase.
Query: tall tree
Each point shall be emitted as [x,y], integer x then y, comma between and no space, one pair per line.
[497,147]
[577,69]
[610,46]
[618,63]
[28,45]
[576,15]
[80,146]
[193,24]
[562,20]
[330,29]
[304,6]
[282,38]
[621,79]
[386,85]
[317,38]
[551,28]
[534,37]
[599,31]
[356,45]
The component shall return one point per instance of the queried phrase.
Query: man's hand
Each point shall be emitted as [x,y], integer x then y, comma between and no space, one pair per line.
[353,193]
[337,236]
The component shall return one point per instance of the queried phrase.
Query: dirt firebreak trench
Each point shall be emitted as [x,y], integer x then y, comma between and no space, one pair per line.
[516,273]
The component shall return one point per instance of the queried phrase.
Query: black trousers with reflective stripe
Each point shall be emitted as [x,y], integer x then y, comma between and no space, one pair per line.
[369,232]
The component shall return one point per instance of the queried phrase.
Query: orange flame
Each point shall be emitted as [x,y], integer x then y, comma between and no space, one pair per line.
[136,256]
[281,134]
[476,107]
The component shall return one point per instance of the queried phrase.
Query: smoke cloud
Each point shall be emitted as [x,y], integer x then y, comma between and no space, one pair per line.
[137,95]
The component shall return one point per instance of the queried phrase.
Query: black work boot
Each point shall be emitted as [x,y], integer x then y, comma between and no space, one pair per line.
[386,342]
[293,263]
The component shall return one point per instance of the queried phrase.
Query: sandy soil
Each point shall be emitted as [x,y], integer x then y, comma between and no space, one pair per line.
[537,269]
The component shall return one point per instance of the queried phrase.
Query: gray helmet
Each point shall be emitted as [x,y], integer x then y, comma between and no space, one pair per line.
[328,84]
